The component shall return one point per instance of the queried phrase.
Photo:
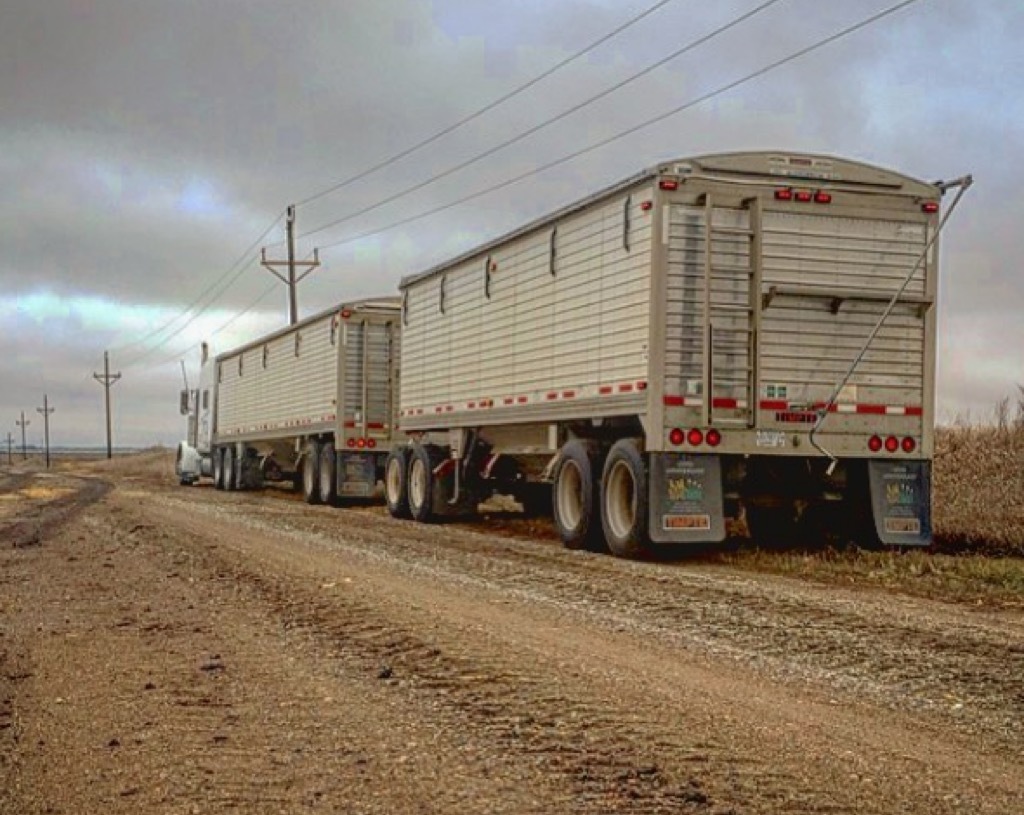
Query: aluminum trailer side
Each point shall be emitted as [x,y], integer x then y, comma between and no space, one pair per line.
[653,359]
[314,403]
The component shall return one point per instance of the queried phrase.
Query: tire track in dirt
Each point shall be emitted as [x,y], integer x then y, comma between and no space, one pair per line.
[901,653]
[379,632]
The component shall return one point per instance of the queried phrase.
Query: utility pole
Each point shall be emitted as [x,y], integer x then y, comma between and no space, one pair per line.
[23,423]
[10,441]
[106,380]
[291,281]
[46,410]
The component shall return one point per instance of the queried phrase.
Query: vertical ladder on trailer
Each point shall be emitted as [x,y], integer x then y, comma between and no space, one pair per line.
[731,286]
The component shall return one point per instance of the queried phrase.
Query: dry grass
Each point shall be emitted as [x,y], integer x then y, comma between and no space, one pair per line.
[978,519]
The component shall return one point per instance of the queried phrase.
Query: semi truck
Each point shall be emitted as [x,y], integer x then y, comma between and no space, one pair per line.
[313,403]
[744,338]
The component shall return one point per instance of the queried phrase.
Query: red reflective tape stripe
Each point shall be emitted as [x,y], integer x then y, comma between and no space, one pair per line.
[915,411]
[872,410]
[604,390]
[774,404]
[521,400]
[725,404]
[568,394]
[551,396]
[508,400]
[673,401]
[626,387]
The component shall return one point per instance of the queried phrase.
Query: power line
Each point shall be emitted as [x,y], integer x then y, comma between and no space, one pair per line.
[486,108]
[220,285]
[548,122]
[46,410]
[634,129]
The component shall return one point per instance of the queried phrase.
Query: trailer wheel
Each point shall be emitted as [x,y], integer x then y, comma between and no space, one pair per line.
[228,467]
[396,482]
[421,482]
[328,484]
[624,500]
[575,498]
[311,472]
[218,468]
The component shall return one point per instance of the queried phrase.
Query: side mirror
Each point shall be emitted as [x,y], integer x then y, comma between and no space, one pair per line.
[183,406]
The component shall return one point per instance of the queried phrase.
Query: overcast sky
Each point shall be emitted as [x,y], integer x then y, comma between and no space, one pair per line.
[145,145]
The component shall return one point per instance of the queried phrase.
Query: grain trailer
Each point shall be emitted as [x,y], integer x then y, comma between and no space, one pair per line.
[313,403]
[747,336]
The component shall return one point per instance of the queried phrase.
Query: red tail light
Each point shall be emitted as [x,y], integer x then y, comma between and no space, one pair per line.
[803,196]
[646,206]
[875,444]
[909,445]
[361,443]
[822,197]
[371,443]
[695,437]
[930,207]
[714,438]
[892,444]
[668,184]
[351,442]
[676,436]
[784,194]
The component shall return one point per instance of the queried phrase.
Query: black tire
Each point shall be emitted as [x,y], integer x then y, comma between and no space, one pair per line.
[311,472]
[624,510]
[230,469]
[423,488]
[396,482]
[575,498]
[328,474]
[218,468]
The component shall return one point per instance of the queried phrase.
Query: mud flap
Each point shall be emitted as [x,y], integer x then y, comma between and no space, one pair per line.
[901,501]
[686,498]
[357,475]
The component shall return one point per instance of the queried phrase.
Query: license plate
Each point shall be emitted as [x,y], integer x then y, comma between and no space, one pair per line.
[771,438]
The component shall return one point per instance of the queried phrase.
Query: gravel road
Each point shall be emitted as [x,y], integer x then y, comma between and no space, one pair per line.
[183,650]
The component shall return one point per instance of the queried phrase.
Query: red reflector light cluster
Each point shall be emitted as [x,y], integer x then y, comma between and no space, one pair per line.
[891,444]
[362,444]
[694,437]
[930,207]
[803,196]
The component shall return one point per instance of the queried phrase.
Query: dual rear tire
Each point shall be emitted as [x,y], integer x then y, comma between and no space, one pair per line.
[612,510]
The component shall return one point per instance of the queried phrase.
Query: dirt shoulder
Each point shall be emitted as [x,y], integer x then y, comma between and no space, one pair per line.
[184,650]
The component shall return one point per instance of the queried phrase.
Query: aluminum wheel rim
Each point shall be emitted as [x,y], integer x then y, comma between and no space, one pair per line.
[620,499]
[307,476]
[570,495]
[417,484]
[393,480]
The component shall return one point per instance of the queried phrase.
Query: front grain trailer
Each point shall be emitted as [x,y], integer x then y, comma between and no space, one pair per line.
[745,336]
[314,403]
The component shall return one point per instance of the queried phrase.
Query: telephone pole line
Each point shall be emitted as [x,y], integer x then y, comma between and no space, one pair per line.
[106,379]
[291,281]
[23,423]
[10,441]
[46,410]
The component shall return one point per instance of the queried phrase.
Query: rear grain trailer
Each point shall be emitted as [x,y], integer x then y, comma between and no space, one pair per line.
[313,403]
[747,336]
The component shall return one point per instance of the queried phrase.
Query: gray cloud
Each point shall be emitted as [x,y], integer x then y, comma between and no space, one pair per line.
[145,144]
